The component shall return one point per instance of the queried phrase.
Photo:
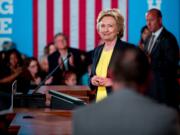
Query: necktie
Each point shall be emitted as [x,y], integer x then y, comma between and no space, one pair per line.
[151,44]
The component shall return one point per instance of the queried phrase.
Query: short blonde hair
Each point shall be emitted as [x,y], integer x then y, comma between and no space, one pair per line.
[115,13]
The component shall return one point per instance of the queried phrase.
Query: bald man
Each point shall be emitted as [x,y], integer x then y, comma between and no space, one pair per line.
[163,51]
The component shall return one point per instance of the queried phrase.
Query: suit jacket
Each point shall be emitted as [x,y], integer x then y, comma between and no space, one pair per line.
[164,62]
[125,112]
[119,46]
[53,62]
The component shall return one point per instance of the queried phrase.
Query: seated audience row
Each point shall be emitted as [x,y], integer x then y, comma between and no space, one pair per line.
[29,72]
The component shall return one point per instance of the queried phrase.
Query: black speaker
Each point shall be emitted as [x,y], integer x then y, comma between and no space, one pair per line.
[36,100]
[63,101]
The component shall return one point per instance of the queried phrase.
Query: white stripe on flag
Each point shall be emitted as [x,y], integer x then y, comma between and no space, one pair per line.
[106,4]
[42,31]
[122,6]
[90,24]
[57,16]
[74,23]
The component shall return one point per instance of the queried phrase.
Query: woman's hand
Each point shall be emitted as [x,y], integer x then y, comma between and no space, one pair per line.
[95,80]
[101,81]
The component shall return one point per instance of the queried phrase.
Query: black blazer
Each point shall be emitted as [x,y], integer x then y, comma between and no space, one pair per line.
[119,46]
[164,62]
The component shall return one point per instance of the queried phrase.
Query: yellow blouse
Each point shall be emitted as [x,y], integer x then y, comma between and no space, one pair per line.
[101,71]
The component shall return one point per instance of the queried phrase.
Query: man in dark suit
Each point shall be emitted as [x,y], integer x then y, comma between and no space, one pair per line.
[126,111]
[163,52]
[73,63]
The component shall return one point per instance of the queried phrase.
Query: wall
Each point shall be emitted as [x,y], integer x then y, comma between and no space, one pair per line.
[171,17]
[22,30]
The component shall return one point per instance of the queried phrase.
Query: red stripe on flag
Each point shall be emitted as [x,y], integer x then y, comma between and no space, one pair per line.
[35,28]
[66,18]
[82,24]
[127,18]
[50,20]
[98,8]
[114,3]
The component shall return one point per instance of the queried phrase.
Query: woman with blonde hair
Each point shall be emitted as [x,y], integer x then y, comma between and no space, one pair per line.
[110,26]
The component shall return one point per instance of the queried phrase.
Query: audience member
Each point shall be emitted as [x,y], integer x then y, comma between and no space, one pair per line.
[60,57]
[163,51]
[8,45]
[85,79]
[126,111]
[32,75]
[43,62]
[70,78]
[86,76]
[11,69]
[110,25]
[145,34]
[51,48]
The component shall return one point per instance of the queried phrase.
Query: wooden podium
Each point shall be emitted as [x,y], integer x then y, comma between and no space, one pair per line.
[35,121]
[45,120]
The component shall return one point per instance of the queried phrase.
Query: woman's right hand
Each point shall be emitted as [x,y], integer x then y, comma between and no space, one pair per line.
[95,80]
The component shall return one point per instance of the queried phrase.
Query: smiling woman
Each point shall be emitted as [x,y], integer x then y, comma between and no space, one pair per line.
[110,26]
[117,19]
[108,29]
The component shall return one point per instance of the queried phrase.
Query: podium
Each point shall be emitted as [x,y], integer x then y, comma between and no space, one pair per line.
[43,99]
[47,120]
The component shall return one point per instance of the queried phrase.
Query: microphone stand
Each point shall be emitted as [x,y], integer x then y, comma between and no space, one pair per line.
[50,74]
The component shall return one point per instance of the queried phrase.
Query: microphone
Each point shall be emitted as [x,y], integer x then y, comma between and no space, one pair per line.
[50,74]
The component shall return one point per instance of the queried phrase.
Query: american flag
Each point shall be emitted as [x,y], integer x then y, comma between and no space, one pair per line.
[75,18]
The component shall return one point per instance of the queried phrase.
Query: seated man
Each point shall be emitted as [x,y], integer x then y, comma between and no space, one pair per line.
[60,57]
[126,111]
